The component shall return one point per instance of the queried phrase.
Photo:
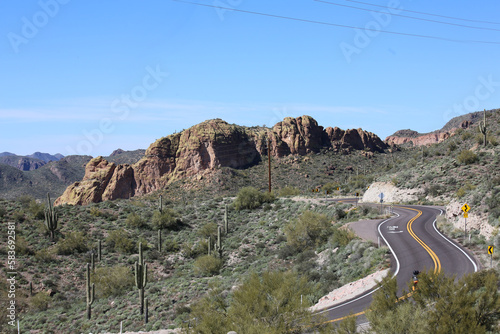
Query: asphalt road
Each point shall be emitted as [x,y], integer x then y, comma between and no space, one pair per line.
[415,244]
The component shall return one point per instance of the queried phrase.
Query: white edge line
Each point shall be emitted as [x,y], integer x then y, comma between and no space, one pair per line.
[460,249]
[369,293]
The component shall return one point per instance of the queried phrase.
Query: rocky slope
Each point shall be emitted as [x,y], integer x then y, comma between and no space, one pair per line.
[52,177]
[22,163]
[208,146]
[460,122]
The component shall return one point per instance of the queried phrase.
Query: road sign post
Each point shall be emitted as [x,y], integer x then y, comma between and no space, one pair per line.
[381,196]
[490,251]
[465,209]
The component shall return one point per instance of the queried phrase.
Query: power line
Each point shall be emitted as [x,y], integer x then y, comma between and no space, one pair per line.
[338,25]
[409,17]
[424,13]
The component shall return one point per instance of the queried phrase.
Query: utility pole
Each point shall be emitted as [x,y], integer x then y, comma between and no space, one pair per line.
[269,162]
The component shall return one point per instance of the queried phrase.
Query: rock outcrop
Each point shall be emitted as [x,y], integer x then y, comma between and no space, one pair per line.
[207,146]
[418,139]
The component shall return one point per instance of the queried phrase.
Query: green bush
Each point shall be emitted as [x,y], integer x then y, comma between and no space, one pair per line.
[119,240]
[166,220]
[310,230]
[467,157]
[342,236]
[207,265]
[251,198]
[171,246]
[112,281]
[94,211]
[74,242]
[44,255]
[22,246]
[134,221]
[288,192]
[36,210]
[208,230]
[271,303]
[3,212]
[19,216]
[40,301]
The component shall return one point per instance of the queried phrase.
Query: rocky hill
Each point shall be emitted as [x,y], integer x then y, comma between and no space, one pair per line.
[29,162]
[52,177]
[402,137]
[22,163]
[206,147]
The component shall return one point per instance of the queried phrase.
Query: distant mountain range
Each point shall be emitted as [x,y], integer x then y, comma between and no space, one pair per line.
[28,162]
[48,177]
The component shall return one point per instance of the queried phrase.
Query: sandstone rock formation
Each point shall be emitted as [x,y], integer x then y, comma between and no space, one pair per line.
[206,146]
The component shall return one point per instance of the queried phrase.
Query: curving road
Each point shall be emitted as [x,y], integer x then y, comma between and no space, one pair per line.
[415,244]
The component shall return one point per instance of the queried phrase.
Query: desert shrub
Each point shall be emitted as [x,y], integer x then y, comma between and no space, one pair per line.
[288,191]
[74,242]
[171,246]
[207,265]
[479,139]
[463,190]
[3,212]
[280,310]
[466,135]
[40,301]
[433,190]
[44,255]
[94,211]
[208,230]
[251,198]
[25,200]
[36,210]
[340,213]
[112,281]
[19,216]
[341,237]
[168,219]
[134,221]
[310,230]
[119,240]
[22,246]
[467,157]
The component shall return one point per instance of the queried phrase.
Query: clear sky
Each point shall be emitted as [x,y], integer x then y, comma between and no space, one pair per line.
[88,77]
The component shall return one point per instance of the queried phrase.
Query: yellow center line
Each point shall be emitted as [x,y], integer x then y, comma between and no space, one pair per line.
[434,257]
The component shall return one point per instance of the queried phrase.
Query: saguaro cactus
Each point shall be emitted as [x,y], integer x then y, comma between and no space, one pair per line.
[226,223]
[209,245]
[159,240]
[160,204]
[50,218]
[146,313]
[141,277]
[218,245]
[90,293]
[99,250]
[482,127]
[92,261]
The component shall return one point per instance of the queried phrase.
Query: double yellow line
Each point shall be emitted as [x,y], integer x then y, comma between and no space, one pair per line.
[434,257]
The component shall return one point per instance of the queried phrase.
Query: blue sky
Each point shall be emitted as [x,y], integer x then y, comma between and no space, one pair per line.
[88,77]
